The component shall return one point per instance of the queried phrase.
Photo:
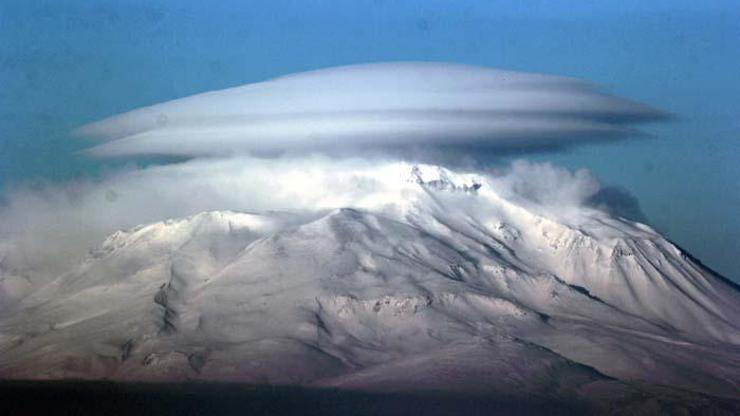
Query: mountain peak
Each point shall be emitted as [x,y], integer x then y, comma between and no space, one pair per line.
[440,178]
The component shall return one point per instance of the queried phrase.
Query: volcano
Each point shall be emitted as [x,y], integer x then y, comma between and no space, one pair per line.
[424,280]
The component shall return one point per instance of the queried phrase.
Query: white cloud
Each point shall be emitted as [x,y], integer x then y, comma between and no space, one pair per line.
[385,105]
[548,185]
[51,228]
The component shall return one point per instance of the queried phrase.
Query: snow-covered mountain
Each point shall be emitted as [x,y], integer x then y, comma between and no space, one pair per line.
[420,279]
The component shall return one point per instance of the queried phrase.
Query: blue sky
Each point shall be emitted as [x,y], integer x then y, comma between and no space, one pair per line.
[65,63]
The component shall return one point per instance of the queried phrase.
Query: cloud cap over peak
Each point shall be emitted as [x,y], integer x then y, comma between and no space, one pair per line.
[385,105]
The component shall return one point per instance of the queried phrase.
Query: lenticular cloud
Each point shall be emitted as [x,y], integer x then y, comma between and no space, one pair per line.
[383,105]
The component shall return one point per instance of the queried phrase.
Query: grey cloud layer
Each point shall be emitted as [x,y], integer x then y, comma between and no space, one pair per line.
[374,105]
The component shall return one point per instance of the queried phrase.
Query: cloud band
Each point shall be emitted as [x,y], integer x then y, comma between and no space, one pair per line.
[385,105]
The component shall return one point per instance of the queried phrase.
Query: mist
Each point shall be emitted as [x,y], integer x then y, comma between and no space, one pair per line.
[48,229]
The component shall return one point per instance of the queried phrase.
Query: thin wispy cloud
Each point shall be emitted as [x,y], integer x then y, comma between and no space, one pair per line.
[48,229]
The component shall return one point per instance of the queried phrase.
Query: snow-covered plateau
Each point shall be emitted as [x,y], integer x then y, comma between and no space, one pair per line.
[403,278]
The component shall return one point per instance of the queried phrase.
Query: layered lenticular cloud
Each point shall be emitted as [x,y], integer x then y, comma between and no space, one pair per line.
[385,105]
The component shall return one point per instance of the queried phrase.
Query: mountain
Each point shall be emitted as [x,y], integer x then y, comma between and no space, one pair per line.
[432,281]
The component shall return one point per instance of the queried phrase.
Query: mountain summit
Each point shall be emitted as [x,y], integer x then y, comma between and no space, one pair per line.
[407,278]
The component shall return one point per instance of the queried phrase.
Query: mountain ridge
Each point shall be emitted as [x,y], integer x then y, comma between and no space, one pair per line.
[358,297]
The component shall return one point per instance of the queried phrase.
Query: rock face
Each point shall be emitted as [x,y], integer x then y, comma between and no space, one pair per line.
[441,283]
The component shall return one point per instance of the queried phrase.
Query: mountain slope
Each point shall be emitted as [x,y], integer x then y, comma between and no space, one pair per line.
[430,280]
